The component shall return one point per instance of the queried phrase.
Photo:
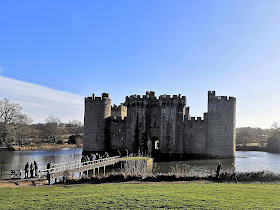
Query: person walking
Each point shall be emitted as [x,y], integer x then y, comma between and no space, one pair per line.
[26,169]
[233,175]
[218,170]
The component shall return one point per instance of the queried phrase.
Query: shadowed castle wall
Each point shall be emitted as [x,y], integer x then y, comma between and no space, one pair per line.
[196,136]
[118,134]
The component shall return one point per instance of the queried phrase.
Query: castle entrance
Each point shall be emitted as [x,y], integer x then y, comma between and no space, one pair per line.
[155,146]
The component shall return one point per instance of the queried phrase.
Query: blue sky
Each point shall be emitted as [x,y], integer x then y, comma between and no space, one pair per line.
[128,47]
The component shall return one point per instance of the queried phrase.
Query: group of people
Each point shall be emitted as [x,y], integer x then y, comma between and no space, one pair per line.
[97,156]
[32,169]
[218,171]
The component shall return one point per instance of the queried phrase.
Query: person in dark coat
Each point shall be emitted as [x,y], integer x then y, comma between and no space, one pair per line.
[31,170]
[36,168]
[48,165]
[26,169]
[218,170]
[48,173]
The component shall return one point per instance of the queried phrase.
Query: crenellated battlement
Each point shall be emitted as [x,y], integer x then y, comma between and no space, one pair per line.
[216,99]
[150,96]
[195,119]
[118,107]
[162,97]
[104,96]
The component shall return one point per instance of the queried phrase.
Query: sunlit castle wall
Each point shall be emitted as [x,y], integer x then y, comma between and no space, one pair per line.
[97,112]
[221,125]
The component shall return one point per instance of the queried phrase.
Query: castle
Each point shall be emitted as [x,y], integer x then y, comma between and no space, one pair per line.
[159,127]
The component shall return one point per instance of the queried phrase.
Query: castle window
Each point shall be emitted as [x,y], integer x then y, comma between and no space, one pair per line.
[225,128]
[155,124]
[98,125]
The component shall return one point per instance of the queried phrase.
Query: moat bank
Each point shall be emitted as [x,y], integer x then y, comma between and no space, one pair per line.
[42,146]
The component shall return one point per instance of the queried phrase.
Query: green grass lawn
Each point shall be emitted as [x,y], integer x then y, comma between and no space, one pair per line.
[148,196]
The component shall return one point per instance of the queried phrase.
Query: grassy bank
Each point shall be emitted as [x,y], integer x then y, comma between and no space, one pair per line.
[152,195]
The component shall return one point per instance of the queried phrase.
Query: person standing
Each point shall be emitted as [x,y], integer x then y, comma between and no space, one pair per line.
[31,170]
[91,157]
[26,169]
[36,168]
[218,170]
[48,173]
[233,175]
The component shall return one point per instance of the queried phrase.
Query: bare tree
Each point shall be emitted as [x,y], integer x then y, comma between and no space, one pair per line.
[53,120]
[10,118]
[51,129]
[244,136]
[23,130]
[75,127]
[275,126]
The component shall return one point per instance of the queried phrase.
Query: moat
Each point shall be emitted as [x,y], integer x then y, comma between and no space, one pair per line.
[245,161]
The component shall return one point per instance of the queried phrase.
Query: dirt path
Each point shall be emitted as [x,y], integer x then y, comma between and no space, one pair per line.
[22,183]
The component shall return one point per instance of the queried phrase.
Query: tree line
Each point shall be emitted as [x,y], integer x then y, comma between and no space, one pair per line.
[16,128]
[269,138]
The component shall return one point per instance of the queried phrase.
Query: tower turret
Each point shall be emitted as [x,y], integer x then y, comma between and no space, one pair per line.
[221,125]
[97,111]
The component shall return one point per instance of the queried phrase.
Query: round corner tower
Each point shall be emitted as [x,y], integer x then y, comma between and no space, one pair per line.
[97,110]
[221,125]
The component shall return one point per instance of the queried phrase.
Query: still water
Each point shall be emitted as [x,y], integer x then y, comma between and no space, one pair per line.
[245,161]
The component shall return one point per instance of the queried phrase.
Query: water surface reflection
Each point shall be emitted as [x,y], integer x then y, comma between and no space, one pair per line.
[245,161]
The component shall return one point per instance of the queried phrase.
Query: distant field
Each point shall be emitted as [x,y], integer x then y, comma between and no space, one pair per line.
[149,196]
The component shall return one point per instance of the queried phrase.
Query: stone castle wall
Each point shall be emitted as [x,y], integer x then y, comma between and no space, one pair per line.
[137,124]
[221,125]
[97,110]
[196,136]
[119,111]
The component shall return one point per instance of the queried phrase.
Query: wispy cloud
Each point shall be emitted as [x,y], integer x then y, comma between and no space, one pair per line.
[2,68]
[39,101]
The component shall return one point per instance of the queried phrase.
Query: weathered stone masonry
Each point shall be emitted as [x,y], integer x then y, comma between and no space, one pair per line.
[159,126]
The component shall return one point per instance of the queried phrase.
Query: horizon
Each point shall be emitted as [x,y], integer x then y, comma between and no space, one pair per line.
[54,54]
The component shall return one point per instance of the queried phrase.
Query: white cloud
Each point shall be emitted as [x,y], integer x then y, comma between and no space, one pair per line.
[39,102]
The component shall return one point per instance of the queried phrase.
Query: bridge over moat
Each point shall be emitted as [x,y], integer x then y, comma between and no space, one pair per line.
[61,171]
